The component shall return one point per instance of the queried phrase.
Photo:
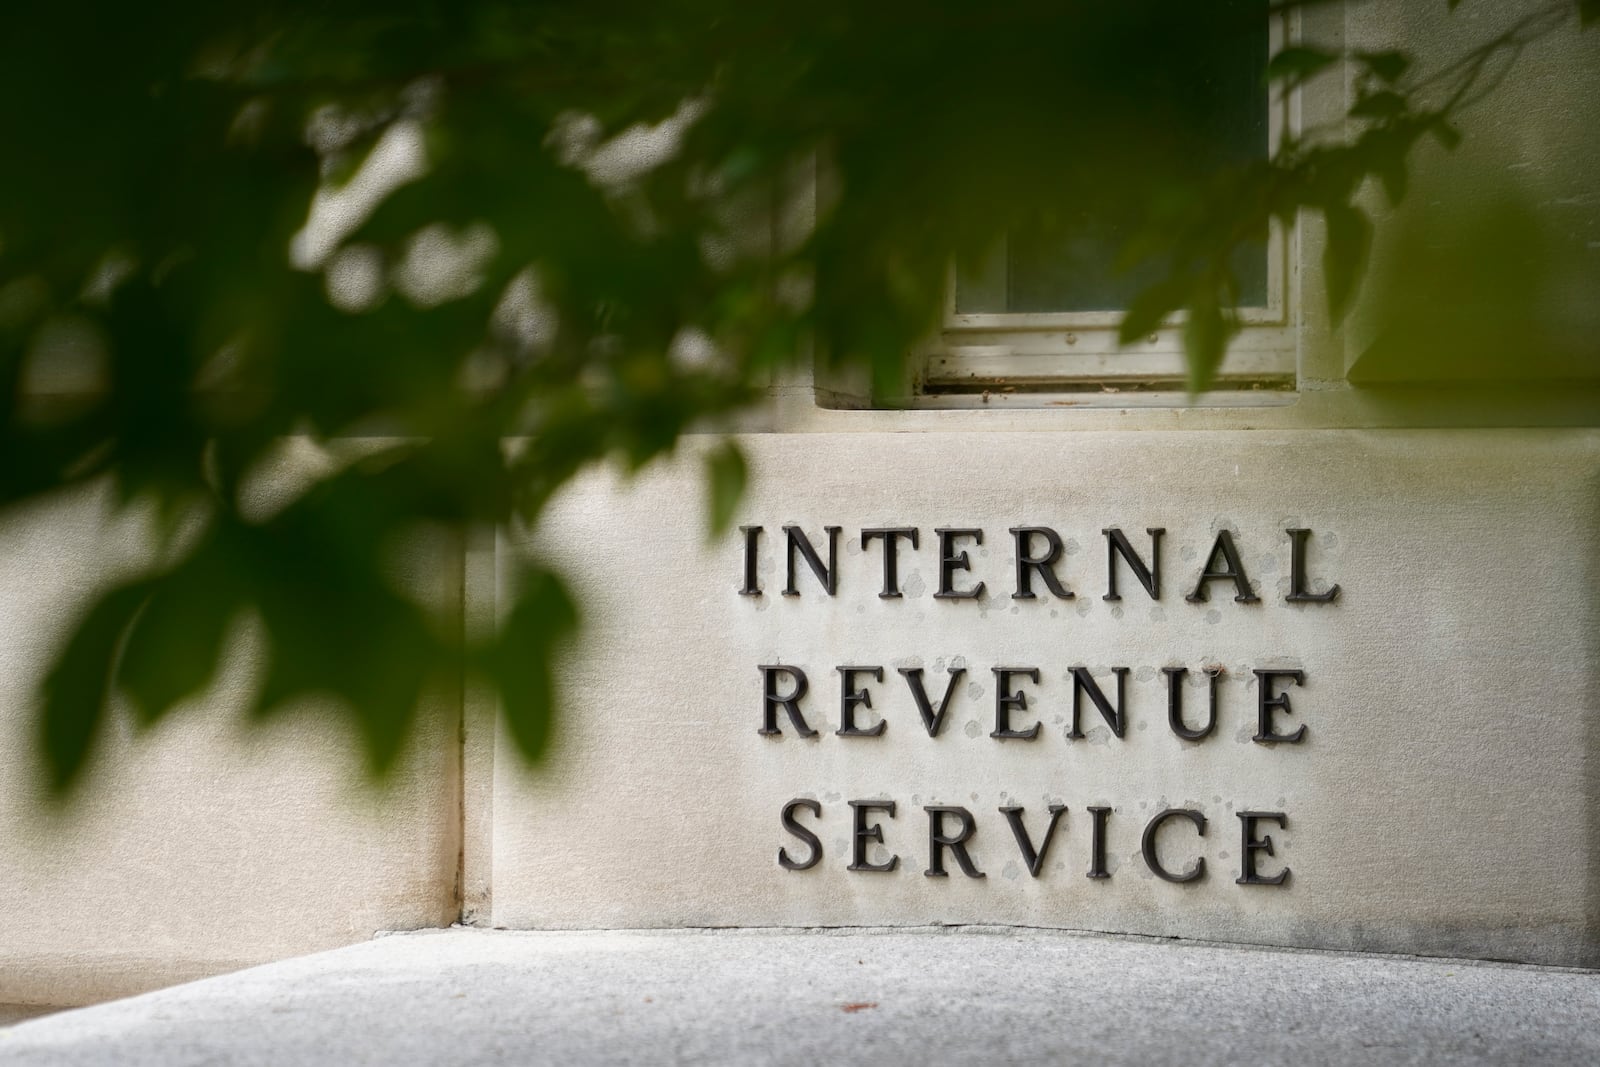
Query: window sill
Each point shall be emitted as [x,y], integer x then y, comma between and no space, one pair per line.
[1257,395]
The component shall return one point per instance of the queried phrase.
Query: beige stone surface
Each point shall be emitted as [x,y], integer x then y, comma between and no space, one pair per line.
[1443,800]
[199,847]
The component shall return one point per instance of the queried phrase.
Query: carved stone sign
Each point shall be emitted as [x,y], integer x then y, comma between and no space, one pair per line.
[1036,555]
[1317,688]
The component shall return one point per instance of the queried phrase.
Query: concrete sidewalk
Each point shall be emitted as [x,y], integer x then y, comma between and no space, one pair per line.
[968,995]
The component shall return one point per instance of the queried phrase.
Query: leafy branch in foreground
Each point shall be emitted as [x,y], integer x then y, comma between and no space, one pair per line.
[1320,171]
[480,246]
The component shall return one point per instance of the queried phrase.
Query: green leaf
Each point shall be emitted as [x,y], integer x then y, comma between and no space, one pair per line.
[1150,308]
[1205,338]
[174,644]
[1349,236]
[1446,134]
[1588,12]
[727,476]
[1296,63]
[130,160]
[332,610]
[78,688]
[1388,67]
[521,663]
[1208,327]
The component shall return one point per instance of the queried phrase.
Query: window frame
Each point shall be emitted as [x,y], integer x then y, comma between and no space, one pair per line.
[1020,356]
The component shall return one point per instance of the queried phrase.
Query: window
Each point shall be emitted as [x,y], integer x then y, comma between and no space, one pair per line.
[1040,314]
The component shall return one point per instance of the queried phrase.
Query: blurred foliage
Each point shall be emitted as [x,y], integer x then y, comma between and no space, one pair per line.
[1482,289]
[506,240]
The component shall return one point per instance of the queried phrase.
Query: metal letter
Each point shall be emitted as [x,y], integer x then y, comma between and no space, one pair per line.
[1034,860]
[1148,845]
[803,834]
[1097,843]
[1235,571]
[1298,594]
[938,841]
[932,718]
[1083,682]
[752,584]
[1028,564]
[1149,577]
[1005,700]
[1175,676]
[861,833]
[771,700]
[891,559]
[1250,846]
[850,696]
[1269,701]
[951,561]
[829,575]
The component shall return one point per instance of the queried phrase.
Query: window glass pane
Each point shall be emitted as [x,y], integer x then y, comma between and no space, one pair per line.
[1072,266]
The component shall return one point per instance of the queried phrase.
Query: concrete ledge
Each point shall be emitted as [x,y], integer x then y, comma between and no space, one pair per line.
[964,995]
